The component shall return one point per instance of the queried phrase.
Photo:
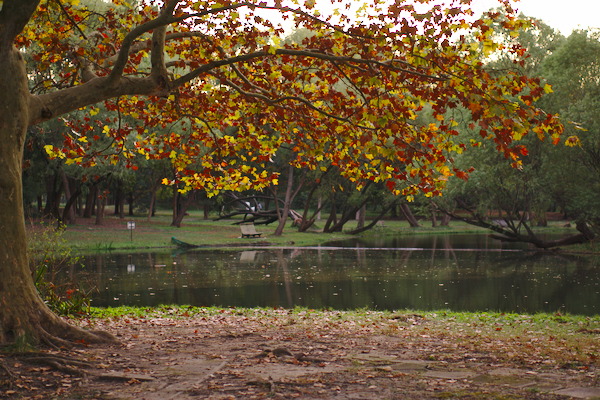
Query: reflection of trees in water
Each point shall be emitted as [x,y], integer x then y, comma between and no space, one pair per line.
[282,265]
[439,277]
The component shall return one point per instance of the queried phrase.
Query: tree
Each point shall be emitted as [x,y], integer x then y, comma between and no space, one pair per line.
[572,70]
[552,178]
[205,65]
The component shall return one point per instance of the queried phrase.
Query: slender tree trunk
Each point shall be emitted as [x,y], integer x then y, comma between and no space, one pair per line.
[90,202]
[120,200]
[53,191]
[409,215]
[360,216]
[153,190]
[180,206]
[39,204]
[130,201]
[68,215]
[283,214]
[332,219]
[347,215]
[100,205]
[445,220]
[319,207]
[433,215]
[375,220]
[23,314]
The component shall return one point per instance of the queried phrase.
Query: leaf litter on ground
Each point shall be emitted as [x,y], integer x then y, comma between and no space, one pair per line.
[254,353]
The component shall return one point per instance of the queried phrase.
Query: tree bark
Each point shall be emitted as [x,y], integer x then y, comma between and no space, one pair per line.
[283,214]
[100,206]
[53,192]
[360,216]
[23,315]
[412,221]
[375,220]
[68,215]
[433,215]
[180,206]
[90,201]
[119,199]
[153,189]
[130,201]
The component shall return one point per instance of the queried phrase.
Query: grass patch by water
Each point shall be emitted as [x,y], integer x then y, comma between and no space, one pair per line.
[550,339]
[156,233]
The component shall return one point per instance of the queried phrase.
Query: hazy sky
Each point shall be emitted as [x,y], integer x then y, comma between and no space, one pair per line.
[564,15]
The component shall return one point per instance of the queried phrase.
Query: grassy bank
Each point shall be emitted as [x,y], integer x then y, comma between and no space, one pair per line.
[562,340]
[85,236]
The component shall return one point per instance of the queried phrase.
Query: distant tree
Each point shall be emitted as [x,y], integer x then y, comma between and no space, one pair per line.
[573,70]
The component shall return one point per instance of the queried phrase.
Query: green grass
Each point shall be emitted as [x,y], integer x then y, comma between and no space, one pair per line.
[157,233]
[492,322]
[546,338]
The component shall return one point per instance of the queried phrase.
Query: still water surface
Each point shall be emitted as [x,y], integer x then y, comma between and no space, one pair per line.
[457,272]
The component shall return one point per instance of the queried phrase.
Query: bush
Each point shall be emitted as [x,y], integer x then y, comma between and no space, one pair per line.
[49,255]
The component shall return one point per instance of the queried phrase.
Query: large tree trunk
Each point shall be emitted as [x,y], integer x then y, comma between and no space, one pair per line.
[23,315]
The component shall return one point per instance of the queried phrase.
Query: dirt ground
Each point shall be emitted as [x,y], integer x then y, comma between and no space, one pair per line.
[239,356]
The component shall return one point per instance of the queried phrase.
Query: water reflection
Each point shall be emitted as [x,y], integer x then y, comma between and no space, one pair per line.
[449,277]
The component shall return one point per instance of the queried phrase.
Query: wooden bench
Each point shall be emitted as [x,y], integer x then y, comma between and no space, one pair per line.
[249,231]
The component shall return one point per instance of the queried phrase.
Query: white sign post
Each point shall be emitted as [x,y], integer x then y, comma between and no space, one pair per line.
[131,227]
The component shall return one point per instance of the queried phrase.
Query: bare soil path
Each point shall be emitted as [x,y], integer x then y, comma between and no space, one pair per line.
[277,354]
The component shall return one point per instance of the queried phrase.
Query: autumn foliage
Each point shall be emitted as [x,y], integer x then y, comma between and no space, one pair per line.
[378,92]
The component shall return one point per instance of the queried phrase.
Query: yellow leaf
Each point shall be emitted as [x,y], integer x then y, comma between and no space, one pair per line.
[573,141]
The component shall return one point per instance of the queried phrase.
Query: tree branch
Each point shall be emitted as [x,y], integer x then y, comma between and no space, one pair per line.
[158,24]
[513,234]
[14,15]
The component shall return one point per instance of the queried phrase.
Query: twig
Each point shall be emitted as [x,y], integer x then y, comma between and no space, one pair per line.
[10,374]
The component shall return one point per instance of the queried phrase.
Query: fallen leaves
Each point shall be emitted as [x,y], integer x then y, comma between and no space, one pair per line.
[304,353]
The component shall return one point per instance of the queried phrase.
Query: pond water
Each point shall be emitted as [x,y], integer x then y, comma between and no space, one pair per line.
[457,272]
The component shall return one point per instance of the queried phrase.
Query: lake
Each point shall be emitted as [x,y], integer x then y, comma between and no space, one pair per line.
[425,272]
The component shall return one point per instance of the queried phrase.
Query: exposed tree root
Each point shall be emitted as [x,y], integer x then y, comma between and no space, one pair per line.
[58,334]
[60,363]
[52,341]
[10,377]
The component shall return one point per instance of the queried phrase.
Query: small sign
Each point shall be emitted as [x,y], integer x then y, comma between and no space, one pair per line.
[131,227]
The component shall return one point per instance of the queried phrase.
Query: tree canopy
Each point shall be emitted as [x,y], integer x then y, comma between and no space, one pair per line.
[223,92]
